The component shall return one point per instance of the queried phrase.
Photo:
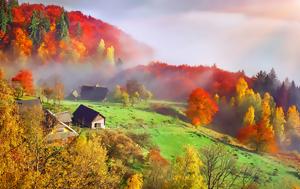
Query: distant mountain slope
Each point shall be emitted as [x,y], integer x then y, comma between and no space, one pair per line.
[48,33]
[176,82]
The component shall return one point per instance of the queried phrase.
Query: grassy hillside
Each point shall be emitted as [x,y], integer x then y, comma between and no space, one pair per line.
[172,134]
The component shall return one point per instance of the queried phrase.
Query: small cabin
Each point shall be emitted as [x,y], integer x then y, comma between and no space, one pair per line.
[87,117]
[94,93]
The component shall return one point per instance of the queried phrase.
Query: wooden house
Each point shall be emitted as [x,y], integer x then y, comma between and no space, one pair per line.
[87,117]
[95,93]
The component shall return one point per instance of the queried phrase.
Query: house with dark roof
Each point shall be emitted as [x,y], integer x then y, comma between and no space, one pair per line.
[87,117]
[95,93]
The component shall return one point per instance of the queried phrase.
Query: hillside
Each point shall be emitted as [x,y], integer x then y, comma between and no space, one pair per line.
[176,82]
[51,34]
[171,135]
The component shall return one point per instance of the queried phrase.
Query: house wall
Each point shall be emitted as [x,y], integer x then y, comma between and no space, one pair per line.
[100,122]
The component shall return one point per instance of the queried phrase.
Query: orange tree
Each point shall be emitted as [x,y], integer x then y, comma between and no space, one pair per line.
[24,78]
[258,136]
[201,108]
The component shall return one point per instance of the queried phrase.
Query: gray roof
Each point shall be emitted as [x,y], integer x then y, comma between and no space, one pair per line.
[93,93]
[29,103]
[64,117]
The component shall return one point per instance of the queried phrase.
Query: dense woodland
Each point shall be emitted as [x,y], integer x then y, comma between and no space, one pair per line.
[45,34]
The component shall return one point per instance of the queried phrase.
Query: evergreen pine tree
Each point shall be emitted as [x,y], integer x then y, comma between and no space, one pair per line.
[39,25]
[4,20]
[282,96]
[13,3]
[3,5]
[62,26]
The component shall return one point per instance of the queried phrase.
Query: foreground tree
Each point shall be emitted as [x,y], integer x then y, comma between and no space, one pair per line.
[119,146]
[156,177]
[201,108]
[186,172]
[12,151]
[82,165]
[135,182]
[221,170]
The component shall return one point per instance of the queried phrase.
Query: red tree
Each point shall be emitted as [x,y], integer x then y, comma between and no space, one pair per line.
[258,136]
[1,74]
[201,107]
[24,78]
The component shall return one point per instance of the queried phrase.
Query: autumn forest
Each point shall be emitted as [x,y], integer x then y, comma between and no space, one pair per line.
[80,108]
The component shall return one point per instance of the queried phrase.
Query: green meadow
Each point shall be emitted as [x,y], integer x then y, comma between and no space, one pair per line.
[171,135]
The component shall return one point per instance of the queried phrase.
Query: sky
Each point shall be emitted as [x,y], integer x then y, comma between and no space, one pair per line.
[249,35]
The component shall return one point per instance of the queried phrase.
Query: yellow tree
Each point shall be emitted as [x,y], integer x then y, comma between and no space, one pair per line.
[37,150]
[278,123]
[82,164]
[186,171]
[241,89]
[249,118]
[110,54]
[101,47]
[266,111]
[135,182]
[12,151]
[293,119]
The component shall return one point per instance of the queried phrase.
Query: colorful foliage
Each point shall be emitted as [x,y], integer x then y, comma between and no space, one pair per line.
[201,108]
[162,79]
[259,137]
[47,26]
[23,44]
[24,78]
